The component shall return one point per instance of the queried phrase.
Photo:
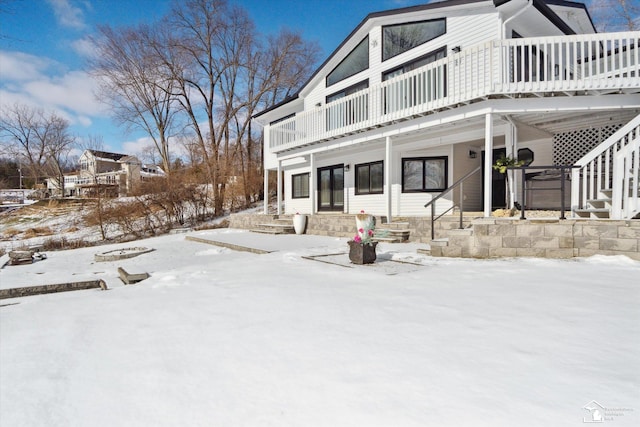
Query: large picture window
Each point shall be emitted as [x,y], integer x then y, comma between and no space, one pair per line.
[397,39]
[357,60]
[369,178]
[300,186]
[424,174]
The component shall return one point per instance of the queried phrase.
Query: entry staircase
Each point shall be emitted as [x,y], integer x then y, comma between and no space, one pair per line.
[606,183]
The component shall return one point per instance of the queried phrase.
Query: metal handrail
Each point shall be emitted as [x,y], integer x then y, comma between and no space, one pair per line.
[561,168]
[431,203]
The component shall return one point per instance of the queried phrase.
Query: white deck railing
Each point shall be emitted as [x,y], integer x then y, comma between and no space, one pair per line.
[562,64]
[611,166]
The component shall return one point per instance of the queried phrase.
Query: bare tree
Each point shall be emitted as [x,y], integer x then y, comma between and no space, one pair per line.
[133,81]
[35,138]
[203,67]
[58,143]
[615,15]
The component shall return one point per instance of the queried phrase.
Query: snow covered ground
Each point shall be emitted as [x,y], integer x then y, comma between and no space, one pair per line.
[217,337]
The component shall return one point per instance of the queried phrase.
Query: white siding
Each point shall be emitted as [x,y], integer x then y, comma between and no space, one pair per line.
[462,165]
[462,30]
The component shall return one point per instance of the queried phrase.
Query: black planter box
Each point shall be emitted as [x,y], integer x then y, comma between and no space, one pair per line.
[362,253]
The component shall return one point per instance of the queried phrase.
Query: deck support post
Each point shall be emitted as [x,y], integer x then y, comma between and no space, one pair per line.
[279,190]
[511,146]
[265,189]
[312,183]
[387,176]
[488,163]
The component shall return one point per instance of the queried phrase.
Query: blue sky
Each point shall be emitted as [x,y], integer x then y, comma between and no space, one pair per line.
[43,46]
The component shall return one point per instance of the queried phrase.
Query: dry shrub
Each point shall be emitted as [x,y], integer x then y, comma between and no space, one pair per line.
[9,233]
[37,231]
[222,224]
[63,243]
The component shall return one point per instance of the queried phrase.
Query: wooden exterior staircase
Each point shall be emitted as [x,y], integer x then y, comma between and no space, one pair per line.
[606,181]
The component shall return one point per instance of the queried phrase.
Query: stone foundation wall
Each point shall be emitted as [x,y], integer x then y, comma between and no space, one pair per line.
[493,238]
[341,225]
[487,237]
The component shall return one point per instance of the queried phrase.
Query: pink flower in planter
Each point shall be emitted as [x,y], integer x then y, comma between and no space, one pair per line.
[370,233]
[357,239]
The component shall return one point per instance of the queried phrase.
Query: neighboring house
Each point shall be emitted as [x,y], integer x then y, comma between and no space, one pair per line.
[413,99]
[115,173]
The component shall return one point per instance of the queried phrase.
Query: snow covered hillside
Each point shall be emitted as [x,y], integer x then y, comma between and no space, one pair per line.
[217,337]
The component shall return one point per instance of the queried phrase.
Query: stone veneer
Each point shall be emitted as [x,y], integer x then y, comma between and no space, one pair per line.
[544,238]
[488,237]
[343,225]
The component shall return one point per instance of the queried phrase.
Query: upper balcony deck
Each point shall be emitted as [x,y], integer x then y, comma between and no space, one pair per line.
[559,65]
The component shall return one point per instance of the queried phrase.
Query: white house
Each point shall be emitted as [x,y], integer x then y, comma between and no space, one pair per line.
[413,99]
[117,173]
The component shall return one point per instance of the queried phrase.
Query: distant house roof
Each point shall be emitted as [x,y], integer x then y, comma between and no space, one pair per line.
[107,155]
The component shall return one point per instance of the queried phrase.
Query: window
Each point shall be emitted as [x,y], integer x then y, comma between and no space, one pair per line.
[357,60]
[300,186]
[348,112]
[424,174]
[416,63]
[525,155]
[418,89]
[369,178]
[399,38]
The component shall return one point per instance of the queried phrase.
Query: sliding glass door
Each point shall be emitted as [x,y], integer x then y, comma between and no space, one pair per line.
[331,188]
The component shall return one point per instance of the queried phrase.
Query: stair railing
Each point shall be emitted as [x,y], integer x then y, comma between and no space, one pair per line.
[626,179]
[432,202]
[594,173]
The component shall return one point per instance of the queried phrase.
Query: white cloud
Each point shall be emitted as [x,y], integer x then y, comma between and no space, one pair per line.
[141,147]
[18,66]
[67,14]
[84,47]
[39,82]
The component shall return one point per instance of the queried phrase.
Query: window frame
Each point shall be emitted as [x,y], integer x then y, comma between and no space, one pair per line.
[402,67]
[358,191]
[365,40]
[424,160]
[293,185]
[349,90]
[382,56]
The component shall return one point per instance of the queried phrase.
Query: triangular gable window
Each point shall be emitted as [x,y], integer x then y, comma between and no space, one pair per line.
[397,39]
[357,60]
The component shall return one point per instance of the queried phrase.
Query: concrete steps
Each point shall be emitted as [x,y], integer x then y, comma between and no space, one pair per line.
[395,232]
[276,226]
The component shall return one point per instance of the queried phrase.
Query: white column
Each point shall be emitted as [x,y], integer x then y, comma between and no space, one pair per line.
[488,162]
[279,191]
[387,177]
[312,182]
[511,145]
[266,191]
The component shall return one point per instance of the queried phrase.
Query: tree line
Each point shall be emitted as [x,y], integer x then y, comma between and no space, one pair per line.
[191,81]
[195,78]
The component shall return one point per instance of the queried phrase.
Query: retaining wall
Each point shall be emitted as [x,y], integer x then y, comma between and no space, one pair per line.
[494,238]
[341,225]
[488,237]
